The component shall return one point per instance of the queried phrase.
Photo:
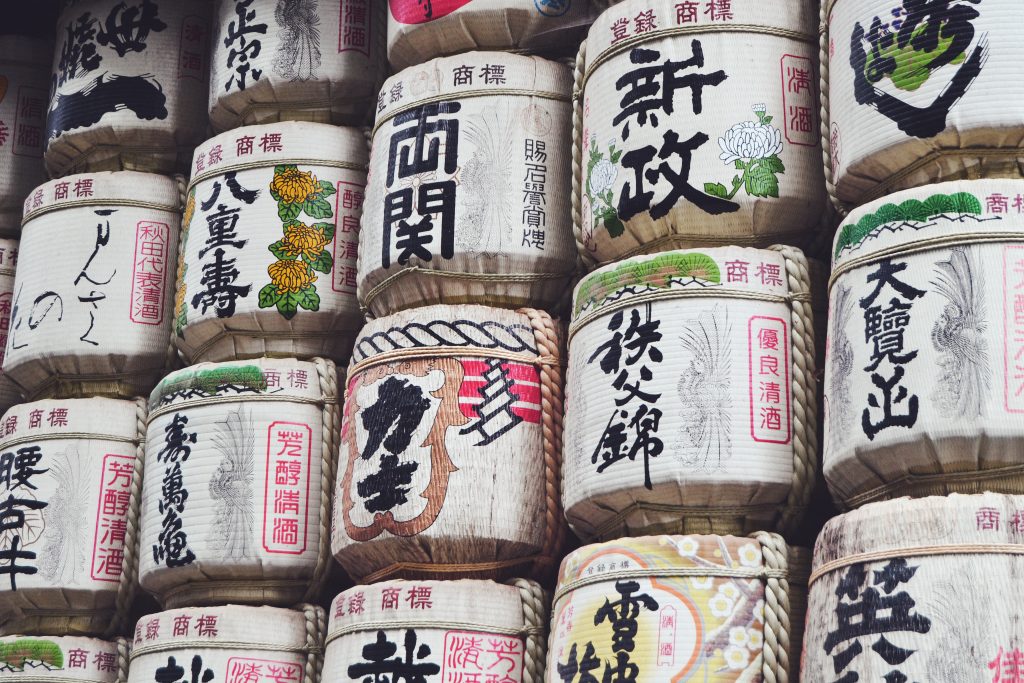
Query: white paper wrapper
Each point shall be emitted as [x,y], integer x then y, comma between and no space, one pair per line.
[469,199]
[925,588]
[698,125]
[922,385]
[92,302]
[449,460]
[419,31]
[67,468]
[230,644]
[316,60]
[9,394]
[33,659]
[129,86]
[24,74]
[269,258]
[461,630]
[233,504]
[921,112]
[691,394]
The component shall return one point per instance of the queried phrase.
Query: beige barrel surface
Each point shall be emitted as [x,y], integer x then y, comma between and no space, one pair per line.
[469,199]
[24,81]
[671,608]
[69,470]
[239,469]
[461,631]
[271,227]
[420,31]
[691,394]
[129,86]
[62,659]
[919,590]
[229,644]
[919,93]
[92,299]
[9,393]
[451,446]
[696,124]
[923,390]
[302,60]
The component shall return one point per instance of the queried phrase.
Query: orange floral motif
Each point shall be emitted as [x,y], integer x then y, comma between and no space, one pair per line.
[303,240]
[295,186]
[290,276]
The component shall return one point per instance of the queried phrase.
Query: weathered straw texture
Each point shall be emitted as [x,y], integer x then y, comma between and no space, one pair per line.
[9,394]
[62,659]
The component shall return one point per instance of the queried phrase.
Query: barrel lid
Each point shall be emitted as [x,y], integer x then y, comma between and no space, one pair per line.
[105,188]
[77,418]
[23,50]
[473,74]
[290,142]
[56,658]
[233,627]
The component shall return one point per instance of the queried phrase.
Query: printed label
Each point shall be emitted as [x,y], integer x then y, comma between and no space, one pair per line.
[798,101]
[474,656]
[149,273]
[348,207]
[112,517]
[768,345]
[247,670]
[354,26]
[286,501]
[193,48]
[30,122]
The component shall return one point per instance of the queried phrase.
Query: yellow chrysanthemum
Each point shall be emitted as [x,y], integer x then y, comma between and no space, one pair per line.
[302,240]
[295,186]
[291,276]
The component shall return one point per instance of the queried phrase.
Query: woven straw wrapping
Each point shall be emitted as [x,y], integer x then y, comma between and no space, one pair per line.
[135,99]
[419,32]
[318,62]
[92,305]
[9,394]
[922,385]
[62,659]
[466,485]
[720,608]
[460,629]
[745,141]
[230,642]
[291,195]
[929,114]
[254,444]
[71,467]
[691,394]
[24,74]
[924,587]
[497,124]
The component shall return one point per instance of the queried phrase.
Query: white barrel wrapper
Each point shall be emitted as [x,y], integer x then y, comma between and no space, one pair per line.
[9,393]
[62,659]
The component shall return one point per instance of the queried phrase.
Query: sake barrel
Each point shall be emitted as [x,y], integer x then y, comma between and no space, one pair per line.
[9,394]
[923,391]
[917,94]
[269,259]
[691,394]
[91,310]
[481,214]
[305,60]
[229,643]
[240,464]
[460,631]
[129,85]
[418,31]
[918,590]
[696,126]
[672,608]
[451,446]
[34,659]
[69,470]
[24,69]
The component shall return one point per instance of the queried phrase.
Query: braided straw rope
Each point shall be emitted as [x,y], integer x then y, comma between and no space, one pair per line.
[775,663]
[123,652]
[585,258]
[327,374]
[536,615]
[173,360]
[826,108]
[316,627]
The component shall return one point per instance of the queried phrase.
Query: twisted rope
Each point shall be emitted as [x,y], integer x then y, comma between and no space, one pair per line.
[123,657]
[128,586]
[173,361]
[826,109]
[327,375]
[536,615]
[316,626]
[585,260]
[775,665]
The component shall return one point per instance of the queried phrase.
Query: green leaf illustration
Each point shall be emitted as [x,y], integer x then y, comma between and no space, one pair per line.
[716,190]
[281,168]
[615,156]
[327,228]
[268,296]
[288,305]
[767,119]
[309,299]
[326,188]
[277,249]
[287,212]
[760,182]
[318,208]
[275,195]
[321,263]
[613,225]
[773,164]
[23,650]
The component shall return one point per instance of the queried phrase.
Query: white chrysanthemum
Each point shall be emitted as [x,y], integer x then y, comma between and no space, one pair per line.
[755,641]
[759,108]
[750,140]
[750,555]
[602,177]
[687,546]
[702,582]
[759,612]
[736,657]
[720,605]
[729,590]
[738,636]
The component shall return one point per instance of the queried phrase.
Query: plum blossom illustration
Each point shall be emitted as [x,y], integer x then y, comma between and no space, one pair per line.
[753,148]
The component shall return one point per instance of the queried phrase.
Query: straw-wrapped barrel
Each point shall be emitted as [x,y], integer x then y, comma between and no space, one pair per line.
[9,393]
[696,124]
[469,199]
[302,60]
[69,476]
[460,631]
[92,299]
[691,394]
[268,264]
[129,86]
[239,469]
[918,93]
[451,446]
[24,80]
[229,644]
[919,590]
[674,608]
[62,659]
[419,31]
[923,383]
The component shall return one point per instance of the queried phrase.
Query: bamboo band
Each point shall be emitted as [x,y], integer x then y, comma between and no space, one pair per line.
[79,203]
[437,624]
[997,479]
[921,551]
[398,355]
[196,644]
[188,404]
[267,163]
